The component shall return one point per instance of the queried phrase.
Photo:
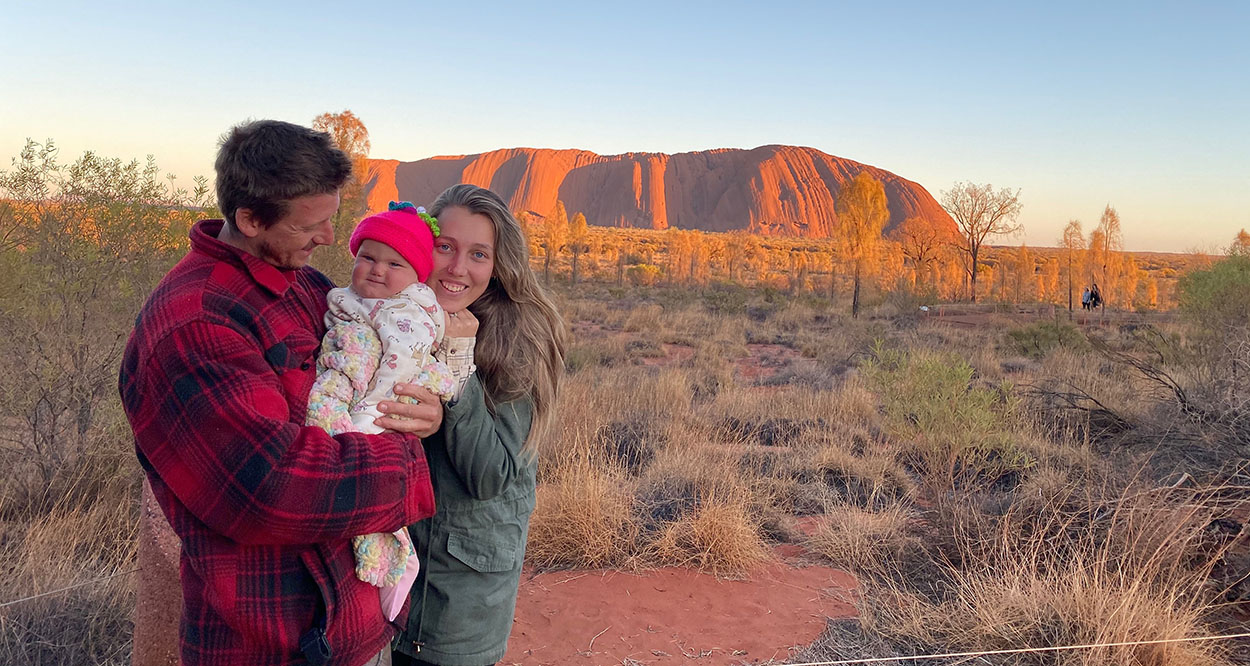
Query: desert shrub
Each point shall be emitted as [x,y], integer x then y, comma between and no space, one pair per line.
[583,517]
[645,348]
[1037,340]
[719,534]
[662,395]
[794,374]
[708,371]
[675,297]
[1217,298]
[1131,567]
[1216,303]
[641,275]
[725,299]
[646,318]
[1134,577]
[769,431]
[906,297]
[759,335]
[866,479]
[856,539]
[70,543]
[665,499]
[599,351]
[81,246]
[631,443]
[958,431]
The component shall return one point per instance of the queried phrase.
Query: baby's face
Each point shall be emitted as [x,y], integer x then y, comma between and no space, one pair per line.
[380,271]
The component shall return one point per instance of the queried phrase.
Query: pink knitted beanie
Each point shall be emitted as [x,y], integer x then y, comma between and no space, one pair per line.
[409,230]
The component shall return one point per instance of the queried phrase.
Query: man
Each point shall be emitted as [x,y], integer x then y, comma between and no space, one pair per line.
[215,382]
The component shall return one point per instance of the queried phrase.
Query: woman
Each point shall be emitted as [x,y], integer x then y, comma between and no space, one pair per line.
[482,459]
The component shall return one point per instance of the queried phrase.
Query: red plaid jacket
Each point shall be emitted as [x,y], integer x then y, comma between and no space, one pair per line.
[215,383]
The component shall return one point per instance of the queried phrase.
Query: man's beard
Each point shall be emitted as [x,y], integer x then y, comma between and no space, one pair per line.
[272,258]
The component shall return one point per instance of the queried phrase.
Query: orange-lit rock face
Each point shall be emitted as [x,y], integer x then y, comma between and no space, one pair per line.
[770,190]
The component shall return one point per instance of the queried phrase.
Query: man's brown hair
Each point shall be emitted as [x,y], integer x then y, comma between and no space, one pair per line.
[263,164]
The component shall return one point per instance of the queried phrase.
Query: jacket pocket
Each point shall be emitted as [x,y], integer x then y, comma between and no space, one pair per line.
[320,574]
[480,555]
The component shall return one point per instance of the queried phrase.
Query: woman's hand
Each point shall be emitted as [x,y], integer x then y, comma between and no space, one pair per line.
[461,324]
[421,419]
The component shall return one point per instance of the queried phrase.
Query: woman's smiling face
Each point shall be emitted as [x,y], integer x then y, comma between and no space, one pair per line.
[464,257]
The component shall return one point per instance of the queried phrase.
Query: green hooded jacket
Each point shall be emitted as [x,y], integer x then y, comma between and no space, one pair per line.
[472,549]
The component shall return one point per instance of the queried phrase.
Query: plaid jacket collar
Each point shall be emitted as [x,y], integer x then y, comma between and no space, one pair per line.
[204,240]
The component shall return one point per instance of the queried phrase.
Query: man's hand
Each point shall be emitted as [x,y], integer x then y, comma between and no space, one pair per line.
[421,419]
[461,324]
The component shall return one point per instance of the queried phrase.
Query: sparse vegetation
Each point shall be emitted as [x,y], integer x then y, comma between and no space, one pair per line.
[994,478]
[976,515]
[82,246]
[1037,340]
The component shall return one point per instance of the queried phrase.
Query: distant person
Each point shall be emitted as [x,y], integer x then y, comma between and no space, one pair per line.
[215,382]
[482,459]
[1085,299]
[385,328]
[1095,297]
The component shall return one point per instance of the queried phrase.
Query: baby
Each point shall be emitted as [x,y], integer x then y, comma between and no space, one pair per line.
[384,329]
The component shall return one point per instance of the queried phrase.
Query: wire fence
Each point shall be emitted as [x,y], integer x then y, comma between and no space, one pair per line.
[68,587]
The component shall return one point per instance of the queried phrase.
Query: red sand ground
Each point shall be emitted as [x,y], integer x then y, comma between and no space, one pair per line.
[673,615]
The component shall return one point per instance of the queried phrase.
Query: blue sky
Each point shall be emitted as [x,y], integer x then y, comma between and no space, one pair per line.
[1145,106]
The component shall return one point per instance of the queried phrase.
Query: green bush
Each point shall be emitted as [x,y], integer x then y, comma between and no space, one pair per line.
[643,274]
[81,246]
[958,432]
[725,300]
[1217,300]
[1216,305]
[1037,340]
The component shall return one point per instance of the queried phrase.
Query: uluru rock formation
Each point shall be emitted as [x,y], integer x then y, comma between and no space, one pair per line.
[770,190]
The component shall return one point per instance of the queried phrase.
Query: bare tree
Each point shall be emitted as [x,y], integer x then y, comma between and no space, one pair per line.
[1108,241]
[1073,243]
[921,240]
[352,137]
[1241,244]
[980,212]
[578,237]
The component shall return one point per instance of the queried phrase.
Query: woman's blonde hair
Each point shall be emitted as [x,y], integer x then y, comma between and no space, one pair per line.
[520,340]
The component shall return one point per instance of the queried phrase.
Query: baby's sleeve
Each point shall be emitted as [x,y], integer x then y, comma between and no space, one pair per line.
[348,359]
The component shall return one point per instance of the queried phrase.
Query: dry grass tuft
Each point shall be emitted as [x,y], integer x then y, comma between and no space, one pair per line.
[644,318]
[862,540]
[1138,574]
[720,536]
[583,518]
[66,546]
[871,479]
